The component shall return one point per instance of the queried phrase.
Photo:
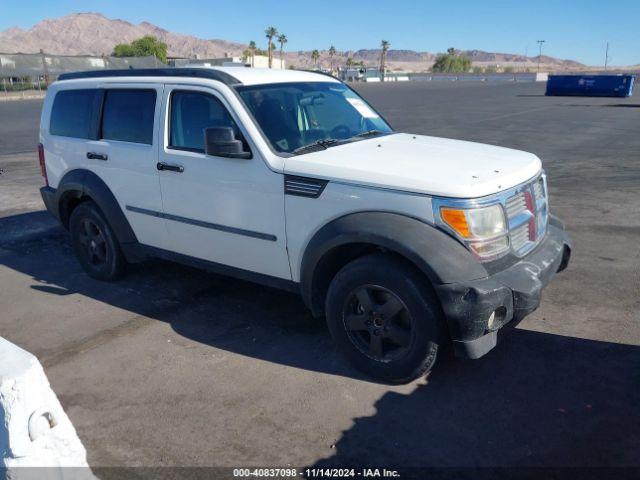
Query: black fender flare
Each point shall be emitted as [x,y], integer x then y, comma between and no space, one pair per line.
[439,256]
[78,183]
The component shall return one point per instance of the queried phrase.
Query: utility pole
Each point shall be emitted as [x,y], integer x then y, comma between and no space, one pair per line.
[606,57]
[4,85]
[45,70]
[540,42]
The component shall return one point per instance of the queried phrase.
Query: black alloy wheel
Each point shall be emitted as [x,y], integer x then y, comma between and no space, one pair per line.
[385,317]
[378,323]
[93,242]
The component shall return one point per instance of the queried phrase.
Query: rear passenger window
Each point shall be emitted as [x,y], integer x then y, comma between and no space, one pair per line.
[127,115]
[72,113]
[191,113]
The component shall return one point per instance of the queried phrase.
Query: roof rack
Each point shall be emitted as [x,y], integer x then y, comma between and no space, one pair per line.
[211,74]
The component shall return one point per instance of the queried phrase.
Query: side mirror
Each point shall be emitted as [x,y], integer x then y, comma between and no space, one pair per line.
[222,142]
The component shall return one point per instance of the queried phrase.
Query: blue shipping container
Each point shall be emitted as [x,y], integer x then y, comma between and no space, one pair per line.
[590,85]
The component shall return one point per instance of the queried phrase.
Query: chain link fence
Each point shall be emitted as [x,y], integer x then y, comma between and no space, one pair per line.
[34,71]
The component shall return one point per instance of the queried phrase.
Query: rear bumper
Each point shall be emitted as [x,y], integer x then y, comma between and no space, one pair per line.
[509,295]
[49,199]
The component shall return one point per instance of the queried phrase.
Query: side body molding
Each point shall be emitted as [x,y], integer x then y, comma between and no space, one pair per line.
[81,182]
[441,258]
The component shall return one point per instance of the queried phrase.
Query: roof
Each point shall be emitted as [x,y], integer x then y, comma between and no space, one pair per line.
[257,76]
[227,75]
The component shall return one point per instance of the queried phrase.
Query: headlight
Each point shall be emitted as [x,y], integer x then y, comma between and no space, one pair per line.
[482,229]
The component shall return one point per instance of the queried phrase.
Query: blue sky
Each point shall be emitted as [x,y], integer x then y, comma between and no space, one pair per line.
[572,29]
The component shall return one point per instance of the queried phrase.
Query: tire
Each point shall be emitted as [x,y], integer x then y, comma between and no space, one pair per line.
[95,244]
[361,301]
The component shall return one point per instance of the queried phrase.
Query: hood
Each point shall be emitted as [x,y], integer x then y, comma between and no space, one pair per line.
[420,164]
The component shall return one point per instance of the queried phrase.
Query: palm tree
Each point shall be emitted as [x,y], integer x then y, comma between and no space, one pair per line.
[252,48]
[332,52]
[384,45]
[349,62]
[270,32]
[315,55]
[282,39]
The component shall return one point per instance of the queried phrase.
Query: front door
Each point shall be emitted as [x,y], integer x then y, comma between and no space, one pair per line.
[224,210]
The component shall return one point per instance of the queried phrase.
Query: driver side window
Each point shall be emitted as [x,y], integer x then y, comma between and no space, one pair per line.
[190,114]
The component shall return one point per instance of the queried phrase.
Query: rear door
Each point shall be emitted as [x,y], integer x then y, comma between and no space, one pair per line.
[126,153]
[71,125]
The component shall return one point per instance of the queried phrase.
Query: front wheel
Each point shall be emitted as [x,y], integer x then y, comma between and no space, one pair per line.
[384,317]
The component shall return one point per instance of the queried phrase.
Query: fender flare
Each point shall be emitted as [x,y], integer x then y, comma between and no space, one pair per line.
[439,256]
[80,182]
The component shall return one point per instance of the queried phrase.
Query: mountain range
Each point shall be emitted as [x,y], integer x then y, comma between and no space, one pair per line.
[95,34]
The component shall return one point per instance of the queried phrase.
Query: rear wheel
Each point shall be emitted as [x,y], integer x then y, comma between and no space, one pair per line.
[385,318]
[95,244]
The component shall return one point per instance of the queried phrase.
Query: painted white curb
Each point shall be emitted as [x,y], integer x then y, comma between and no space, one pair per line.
[34,429]
[22,96]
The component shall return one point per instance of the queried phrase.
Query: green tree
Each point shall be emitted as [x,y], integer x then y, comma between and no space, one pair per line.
[315,55]
[142,47]
[451,62]
[384,48]
[270,32]
[282,39]
[332,53]
[123,50]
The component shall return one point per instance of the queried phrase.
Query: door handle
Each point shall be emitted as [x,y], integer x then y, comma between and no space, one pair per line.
[96,156]
[171,168]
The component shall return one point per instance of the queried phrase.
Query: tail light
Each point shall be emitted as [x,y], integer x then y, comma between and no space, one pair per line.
[43,168]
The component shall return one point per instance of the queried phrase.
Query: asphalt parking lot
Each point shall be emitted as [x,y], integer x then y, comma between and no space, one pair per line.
[173,366]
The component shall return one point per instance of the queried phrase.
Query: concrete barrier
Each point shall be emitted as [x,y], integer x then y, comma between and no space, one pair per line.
[24,95]
[478,77]
[34,429]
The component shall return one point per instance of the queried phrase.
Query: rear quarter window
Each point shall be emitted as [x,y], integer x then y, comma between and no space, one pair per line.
[127,115]
[72,113]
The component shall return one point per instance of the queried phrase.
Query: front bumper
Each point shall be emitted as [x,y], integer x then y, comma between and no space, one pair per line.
[509,295]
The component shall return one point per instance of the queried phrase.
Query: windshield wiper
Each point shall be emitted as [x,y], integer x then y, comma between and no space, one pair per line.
[320,144]
[368,133]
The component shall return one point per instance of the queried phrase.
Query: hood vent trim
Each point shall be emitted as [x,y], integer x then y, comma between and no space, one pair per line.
[304,186]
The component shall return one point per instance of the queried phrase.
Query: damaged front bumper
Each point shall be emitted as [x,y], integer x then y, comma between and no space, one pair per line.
[477,309]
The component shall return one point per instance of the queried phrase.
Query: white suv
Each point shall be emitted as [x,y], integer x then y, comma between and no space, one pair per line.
[406,243]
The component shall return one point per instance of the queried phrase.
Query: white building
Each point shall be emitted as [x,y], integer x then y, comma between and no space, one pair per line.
[262,61]
[258,61]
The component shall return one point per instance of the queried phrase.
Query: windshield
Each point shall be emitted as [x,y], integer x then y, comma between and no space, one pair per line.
[296,115]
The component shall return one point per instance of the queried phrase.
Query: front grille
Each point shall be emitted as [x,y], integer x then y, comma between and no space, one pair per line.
[527,213]
[538,189]
[516,205]
[519,237]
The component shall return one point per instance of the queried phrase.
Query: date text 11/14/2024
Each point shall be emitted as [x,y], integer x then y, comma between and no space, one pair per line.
[316,472]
